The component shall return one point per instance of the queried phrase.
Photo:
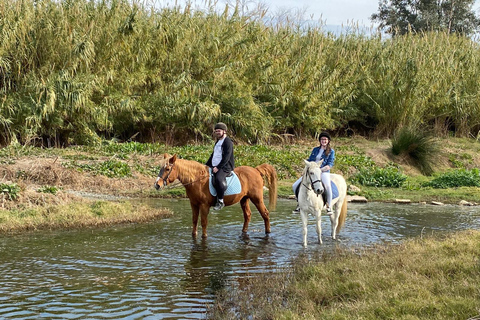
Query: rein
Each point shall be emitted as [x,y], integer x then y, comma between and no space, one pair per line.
[174,185]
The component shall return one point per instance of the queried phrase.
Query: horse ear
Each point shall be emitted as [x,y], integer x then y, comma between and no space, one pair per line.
[166,155]
[173,158]
[306,162]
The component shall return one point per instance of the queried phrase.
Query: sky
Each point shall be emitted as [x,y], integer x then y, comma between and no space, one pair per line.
[337,12]
[331,12]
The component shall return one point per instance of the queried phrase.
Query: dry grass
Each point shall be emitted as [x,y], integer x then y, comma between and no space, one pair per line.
[430,278]
[80,214]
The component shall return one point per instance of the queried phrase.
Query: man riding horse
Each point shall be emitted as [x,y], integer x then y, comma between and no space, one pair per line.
[221,162]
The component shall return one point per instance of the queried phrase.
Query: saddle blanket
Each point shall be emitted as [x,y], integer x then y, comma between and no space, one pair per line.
[334,190]
[233,185]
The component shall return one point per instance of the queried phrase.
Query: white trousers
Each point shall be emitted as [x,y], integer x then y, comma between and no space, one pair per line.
[326,182]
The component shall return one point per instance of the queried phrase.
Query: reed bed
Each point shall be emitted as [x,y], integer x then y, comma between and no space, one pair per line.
[75,72]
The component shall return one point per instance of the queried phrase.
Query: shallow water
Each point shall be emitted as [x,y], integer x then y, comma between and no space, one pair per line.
[157,271]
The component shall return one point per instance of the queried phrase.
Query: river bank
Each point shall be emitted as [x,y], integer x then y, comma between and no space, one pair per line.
[35,182]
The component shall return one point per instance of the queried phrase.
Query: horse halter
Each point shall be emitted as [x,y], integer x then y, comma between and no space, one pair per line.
[312,182]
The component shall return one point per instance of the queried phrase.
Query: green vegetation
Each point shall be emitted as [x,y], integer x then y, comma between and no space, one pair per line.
[11,191]
[109,168]
[417,146]
[426,278]
[48,189]
[401,17]
[455,178]
[77,72]
[380,177]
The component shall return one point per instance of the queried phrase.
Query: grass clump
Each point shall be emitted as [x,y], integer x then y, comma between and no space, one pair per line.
[423,278]
[417,146]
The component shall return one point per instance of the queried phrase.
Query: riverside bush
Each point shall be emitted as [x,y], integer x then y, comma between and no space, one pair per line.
[380,177]
[109,168]
[456,178]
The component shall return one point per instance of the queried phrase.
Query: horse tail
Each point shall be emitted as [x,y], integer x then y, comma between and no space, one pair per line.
[343,215]
[269,174]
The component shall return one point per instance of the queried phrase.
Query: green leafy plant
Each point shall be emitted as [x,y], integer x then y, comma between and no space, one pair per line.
[109,168]
[48,189]
[380,177]
[455,178]
[11,191]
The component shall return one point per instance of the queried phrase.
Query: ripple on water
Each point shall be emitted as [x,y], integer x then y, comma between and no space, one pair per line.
[156,270]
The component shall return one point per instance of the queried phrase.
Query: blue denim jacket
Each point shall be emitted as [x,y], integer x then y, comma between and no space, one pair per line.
[324,159]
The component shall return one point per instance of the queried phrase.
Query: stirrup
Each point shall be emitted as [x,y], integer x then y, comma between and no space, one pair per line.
[297,210]
[329,211]
[219,205]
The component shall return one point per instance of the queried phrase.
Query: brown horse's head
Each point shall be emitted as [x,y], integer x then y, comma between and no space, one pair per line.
[168,172]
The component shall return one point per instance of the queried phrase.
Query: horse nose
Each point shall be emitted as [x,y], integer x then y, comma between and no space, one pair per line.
[319,191]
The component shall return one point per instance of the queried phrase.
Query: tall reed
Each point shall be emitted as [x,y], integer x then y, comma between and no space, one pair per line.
[78,71]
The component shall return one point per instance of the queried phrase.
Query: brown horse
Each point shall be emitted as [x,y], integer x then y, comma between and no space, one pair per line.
[194,177]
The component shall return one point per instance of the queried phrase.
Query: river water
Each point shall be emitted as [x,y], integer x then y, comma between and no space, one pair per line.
[157,271]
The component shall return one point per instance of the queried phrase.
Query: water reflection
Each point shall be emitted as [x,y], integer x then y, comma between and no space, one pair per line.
[156,271]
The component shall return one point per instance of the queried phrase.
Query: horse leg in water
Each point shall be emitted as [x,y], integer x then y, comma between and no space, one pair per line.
[195,212]
[204,210]
[337,207]
[304,217]
[247,213]
[260,205]
[318,216]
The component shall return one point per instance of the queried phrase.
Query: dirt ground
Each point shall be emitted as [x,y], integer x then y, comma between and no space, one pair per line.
[31,174]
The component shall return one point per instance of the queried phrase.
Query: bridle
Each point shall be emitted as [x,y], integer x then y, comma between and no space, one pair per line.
[310,187]
[165,180]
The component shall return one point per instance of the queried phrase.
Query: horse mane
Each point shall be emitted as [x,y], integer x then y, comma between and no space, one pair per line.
[190,170]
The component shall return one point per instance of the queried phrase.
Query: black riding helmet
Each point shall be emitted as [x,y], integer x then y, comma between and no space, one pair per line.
[324,134]
[221,126]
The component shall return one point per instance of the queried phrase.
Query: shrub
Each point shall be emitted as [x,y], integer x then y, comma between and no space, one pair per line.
[380,177]
[455,178]
[109,168]
[417,146]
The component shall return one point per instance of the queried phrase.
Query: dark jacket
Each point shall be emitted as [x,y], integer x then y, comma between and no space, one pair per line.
[227,163]
[324,159]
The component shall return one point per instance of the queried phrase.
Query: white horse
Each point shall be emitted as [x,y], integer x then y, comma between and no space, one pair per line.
[310,200]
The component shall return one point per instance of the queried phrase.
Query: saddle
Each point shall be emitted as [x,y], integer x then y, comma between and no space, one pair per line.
[233,184]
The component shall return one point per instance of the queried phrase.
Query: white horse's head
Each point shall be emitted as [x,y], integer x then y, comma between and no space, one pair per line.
[312,177]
